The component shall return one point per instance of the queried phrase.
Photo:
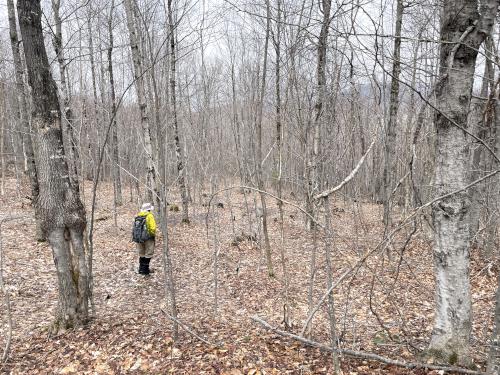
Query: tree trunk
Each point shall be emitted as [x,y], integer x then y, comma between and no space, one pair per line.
[115,151]
[152,193]
[279,167]
[181,170]
[329,282]
[480,122]
[68,134]
[314,152]
[390,131]
[23,115]
[259,159]
[2,139]
[453,319]
[59,206]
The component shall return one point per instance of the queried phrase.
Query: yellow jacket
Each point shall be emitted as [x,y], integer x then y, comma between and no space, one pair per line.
[150,222]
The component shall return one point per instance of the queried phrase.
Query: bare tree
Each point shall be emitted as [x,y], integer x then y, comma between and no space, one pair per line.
[115,153]
[259,157]
[179,155]
[141,97]
[59,206]
[390,132]
[68,133]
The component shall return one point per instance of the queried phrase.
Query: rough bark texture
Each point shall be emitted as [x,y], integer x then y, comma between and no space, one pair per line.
[141,97]
[61,211]
[462,24]
[23,115]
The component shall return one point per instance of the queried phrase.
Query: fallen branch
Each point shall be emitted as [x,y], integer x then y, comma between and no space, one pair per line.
[187,329]
[363,355]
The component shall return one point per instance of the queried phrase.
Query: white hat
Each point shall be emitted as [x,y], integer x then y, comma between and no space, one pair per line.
[147,207]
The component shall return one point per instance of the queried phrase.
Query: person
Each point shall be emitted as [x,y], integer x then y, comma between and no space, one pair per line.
[144,233]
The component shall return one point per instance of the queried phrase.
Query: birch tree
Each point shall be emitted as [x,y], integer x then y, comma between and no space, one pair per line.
[141,97]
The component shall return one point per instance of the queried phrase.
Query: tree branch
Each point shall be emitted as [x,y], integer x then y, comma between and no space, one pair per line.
[351,175]
[363,355]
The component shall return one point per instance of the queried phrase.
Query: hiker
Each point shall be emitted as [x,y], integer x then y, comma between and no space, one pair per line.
[143,234]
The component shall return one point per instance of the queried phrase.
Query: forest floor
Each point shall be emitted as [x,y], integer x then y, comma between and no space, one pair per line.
[385,307]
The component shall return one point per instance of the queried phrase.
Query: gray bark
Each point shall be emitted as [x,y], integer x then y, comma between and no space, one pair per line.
[22,109]
[259,159]
[115,152]
[141,97]
[181,169]
[68,133]
[279,167]
[462,24]
[314,152]
[59,205]
[390,131]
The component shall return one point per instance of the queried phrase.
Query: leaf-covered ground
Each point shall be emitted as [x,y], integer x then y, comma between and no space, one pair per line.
[385,308]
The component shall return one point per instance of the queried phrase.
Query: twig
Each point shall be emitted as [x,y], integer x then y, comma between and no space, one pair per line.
[348,178]
[364,355]
[187,329]
[333,286]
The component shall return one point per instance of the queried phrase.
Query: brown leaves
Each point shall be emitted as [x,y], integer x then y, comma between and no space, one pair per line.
[131,334]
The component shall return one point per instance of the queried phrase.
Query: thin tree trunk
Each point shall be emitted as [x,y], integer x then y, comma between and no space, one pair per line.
[152,192]
[494,354]
[259,161]
[329,283]
[167,263]
[313,167]
[68,133]
[313,154]
[390,131]
[181,170]
[59,204]
[115,152]
[2,140]
[279,141]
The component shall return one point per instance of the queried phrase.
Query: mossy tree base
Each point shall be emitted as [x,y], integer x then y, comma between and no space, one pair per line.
[447,356]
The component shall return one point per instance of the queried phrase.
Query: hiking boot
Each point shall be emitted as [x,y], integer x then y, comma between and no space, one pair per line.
[143,267]
[146,262]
